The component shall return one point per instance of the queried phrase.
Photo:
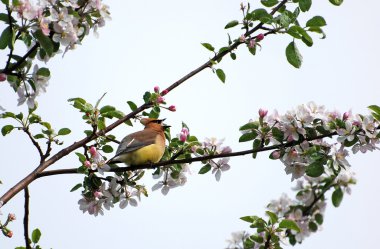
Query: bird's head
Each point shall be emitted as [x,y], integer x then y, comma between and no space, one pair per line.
[153,122]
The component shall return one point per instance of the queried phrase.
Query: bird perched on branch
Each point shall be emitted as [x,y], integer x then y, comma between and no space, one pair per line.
[146,146]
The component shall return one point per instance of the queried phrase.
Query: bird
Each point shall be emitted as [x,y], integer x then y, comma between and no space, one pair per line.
[142,147]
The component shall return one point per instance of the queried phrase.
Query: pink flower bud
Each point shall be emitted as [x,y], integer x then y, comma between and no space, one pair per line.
[172,108]
[260,37]
[182,137]
[3,77]
[160,99]
[252,43]
[11,217]
[242,38]
[156,89]
[98,194]
[262,113]
[345,116]
[93,151]
[276,154]
[9,234]
[164,92]
[87,164]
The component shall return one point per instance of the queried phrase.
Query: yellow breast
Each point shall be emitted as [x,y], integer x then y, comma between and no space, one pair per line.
[148,154]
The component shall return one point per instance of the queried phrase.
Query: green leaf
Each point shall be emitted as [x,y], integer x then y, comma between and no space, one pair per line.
[64,131]
[319,218]
[249,219]
[39,136]
[315,169]
[81,157]
[231,24]
[146,97]
[256,145]
[248,136]
[278,134]
[132,105]
[43,71]
[205,169]
[316,21]
[7,115]
[260,15]
[36,235]
[313,226]
[299,33]
[273,217]
[336,2]
[293,55]
[5,38]
[257,238]
[337,197]
[249,126]
[269,3]
[76,187]
[374,108]
[6,2]
[289,224]
[106,109]
[107,149]
[221,75]
[6,129]
[305,5]
[208,46]
[45,42]
[101,123]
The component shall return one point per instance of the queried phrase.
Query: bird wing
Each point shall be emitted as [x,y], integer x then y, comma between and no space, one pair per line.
[136,141]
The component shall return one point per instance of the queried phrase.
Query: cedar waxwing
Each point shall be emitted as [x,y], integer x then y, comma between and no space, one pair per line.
[146,146]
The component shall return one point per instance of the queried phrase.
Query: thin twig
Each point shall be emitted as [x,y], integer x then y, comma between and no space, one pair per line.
[35,143]
[26,218]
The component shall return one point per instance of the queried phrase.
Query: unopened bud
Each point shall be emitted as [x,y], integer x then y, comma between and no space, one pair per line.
[10,234]
[93,151]
[3,77]
[87,164]
[242,38]
[160,99]
[11,217]
[251,43]
[156,89]
[345,116]
[276,154]
[262,113]
[172,108]
[260,37]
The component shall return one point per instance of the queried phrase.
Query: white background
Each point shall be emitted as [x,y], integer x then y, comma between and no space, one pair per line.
[150,43]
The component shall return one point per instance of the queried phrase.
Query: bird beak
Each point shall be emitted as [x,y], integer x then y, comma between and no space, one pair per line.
[166,126]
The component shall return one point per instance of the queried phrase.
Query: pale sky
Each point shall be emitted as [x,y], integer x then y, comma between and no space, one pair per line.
[150,43]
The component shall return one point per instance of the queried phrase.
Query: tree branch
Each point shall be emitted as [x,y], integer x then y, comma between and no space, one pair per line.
[64,152]
[26,219]
[188,160]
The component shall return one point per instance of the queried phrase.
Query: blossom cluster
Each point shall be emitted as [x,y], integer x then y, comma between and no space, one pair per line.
[306,210]
[44,26]
[302,138]
[65,21]
[108,194]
